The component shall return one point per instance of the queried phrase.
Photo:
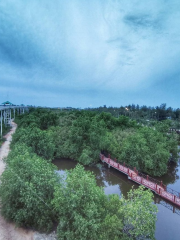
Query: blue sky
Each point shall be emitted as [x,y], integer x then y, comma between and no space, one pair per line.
[82,53]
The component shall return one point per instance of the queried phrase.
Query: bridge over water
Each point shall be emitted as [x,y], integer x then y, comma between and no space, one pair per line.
[156,186]
[7,113]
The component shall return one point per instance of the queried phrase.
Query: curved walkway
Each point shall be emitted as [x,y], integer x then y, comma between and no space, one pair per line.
[146,181]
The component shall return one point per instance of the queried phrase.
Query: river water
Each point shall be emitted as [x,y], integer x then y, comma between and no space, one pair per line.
[168,217]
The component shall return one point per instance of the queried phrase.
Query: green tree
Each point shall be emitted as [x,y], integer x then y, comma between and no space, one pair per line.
[41,118]
[147,150]
[112,222]
[26,190]
[171,138]
[82,135]
[139,214]
[41,142]
[85,212]
[79,203]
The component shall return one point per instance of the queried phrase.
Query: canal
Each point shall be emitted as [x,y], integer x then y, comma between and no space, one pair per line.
[168,217]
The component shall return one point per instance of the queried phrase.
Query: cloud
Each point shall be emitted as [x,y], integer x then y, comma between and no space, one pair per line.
[142,21]
[84,47]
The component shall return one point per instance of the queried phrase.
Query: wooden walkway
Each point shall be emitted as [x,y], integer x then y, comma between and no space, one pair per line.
[158,187]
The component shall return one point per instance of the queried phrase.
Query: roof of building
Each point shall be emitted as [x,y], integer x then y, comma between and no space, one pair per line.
[7,103]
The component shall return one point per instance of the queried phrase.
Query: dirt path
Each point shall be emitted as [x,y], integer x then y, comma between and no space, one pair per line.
[8,231]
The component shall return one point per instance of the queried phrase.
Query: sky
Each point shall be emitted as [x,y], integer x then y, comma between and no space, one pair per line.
[81,53]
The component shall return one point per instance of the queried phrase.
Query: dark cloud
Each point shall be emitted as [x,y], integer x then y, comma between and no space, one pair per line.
[96,49]
[16,44]
[144,21]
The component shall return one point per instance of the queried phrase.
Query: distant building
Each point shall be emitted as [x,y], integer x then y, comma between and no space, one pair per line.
[7,103]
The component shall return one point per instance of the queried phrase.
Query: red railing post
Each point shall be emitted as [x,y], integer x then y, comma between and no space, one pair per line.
[128,171]
[137,172]
[134,169]
[173,209]
[174,198]
[124,164]
[147,177]
[156,186]
[115,160]
[102,157]
[159,191]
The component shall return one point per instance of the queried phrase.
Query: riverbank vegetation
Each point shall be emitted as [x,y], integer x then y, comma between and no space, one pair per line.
[26,189]
[34,195]
[82,135]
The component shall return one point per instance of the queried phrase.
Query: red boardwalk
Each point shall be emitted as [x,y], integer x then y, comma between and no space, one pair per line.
[146,181]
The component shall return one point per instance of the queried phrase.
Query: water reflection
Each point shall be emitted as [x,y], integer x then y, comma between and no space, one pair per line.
[114,181]
[172,175]
[167,225]
[111,180]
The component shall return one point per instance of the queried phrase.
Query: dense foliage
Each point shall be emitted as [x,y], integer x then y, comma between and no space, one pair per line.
[41,142]
[144,113]
[26,190]
[33,194]
[139,214]
[82,135]
[87,213]
[146,150]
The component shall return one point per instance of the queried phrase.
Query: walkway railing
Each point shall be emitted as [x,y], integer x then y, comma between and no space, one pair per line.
[157,186]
